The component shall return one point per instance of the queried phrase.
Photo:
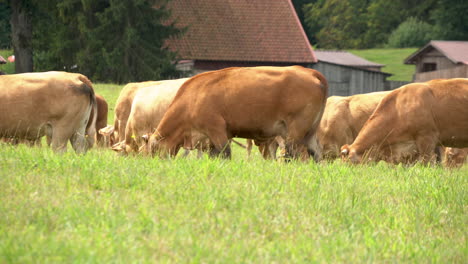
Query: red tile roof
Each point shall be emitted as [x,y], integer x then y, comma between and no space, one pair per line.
[344,58]
[240,30]
[456,51]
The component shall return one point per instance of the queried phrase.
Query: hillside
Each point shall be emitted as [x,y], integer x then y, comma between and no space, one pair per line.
[393,59]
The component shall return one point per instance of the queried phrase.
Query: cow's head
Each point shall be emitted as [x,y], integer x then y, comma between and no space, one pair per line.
[155,145]
[350,154]
[314,148]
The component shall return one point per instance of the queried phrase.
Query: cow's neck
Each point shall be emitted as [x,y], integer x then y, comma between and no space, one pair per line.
[171,131]
[373,136]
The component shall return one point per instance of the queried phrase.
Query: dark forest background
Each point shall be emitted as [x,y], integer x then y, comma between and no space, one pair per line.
[123,40]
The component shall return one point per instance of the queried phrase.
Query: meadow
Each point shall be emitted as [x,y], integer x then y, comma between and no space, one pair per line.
[105,208]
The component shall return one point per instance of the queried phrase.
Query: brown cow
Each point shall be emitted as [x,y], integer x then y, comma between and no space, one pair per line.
[412,120]
[57,104]
[343,119]
[124,105]
[252,102]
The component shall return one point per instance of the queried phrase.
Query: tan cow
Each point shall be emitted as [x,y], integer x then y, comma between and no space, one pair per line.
[148,107]
[412,121]
[343,119]
[57,104]
[123,106]
[252,102]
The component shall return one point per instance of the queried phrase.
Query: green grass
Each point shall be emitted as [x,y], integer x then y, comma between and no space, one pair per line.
[393,60]
[8,68]
[104,208]
[101,208]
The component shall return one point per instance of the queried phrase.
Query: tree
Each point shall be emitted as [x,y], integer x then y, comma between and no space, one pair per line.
[451,21]
[21,28]
[108,40]
[337,23]
[5,29]
[411,33]
[299,8]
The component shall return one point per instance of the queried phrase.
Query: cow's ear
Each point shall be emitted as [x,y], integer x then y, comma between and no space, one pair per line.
[145,138]
[106,131]
[118,147]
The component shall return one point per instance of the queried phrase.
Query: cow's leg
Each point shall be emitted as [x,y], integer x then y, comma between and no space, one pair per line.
[216,132]
[78,140]
[426,145]
[249,144]
[60,137]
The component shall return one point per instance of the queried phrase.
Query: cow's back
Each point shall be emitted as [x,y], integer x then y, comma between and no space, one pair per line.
[251,99]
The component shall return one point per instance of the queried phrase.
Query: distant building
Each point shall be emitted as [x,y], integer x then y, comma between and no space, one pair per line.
[348,74]
[231,33]
[440,59]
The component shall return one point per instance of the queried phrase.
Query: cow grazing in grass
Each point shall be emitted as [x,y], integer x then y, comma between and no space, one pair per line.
[124,105]
[257,102]
[148,107]
[411,121]
[343,119]
[56,104]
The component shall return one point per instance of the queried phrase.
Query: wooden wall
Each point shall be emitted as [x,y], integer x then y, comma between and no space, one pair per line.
[454,72]
[345,81]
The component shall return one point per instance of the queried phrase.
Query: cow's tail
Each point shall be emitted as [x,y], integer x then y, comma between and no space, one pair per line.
[314,147]
[91,126]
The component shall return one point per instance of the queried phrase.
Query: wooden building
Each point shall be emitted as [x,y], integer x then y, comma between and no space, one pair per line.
[231,33]
[348,74]
[440,59]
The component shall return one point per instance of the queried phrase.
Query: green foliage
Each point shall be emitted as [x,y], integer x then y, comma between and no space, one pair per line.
[119,41]
[411,33]
[338,24]
[451,21]
[360,23]
[5,29]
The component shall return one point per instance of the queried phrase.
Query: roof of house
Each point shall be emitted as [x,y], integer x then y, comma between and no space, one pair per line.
[456,51]
[240,30]
[344,58]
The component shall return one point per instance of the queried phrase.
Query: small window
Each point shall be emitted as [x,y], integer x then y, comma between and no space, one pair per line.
[427,67]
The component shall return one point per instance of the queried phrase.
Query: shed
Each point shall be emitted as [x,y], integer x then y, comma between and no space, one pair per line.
[232,33]
[440,59]
[348,74]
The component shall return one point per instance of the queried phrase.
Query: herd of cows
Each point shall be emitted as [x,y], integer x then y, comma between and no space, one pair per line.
[286,107]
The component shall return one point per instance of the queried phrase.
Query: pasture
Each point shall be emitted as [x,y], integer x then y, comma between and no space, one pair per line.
[101,208]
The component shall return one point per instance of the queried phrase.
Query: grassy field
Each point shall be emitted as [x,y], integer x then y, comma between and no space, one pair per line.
[393,61]
[104,208]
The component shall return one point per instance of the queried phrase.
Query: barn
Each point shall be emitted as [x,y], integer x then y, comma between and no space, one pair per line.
[440,59]
[243,33]
[348,74]
[232,33]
